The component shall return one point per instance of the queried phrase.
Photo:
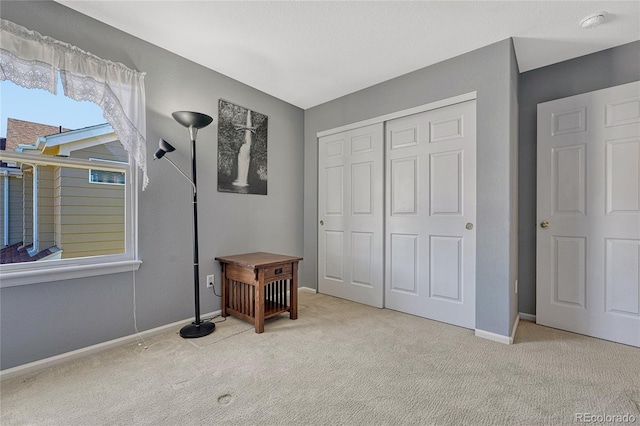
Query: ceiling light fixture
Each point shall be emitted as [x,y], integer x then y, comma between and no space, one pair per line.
[593,20]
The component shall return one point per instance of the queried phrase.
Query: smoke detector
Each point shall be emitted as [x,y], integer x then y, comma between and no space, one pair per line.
[593,20]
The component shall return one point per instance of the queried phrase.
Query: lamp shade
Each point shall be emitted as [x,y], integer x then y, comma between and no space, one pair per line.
[164,148]
[192,119]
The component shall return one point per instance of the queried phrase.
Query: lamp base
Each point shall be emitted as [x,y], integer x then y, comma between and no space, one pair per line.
[193,331]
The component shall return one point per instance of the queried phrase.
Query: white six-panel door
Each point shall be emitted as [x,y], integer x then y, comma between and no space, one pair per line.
[431,213]
[588,238]
[350,214]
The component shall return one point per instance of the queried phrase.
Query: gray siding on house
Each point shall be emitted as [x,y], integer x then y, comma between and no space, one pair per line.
[490,72]
[14,193]
[600,70]
[27,206]
[2,209]
[21,207]
[46,231]
[2,212]
[228,223]
[15,210]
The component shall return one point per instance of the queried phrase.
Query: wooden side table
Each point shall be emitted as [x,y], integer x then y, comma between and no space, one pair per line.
[255,286]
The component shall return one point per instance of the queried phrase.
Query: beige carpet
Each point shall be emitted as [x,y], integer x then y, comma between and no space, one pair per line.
[340,363]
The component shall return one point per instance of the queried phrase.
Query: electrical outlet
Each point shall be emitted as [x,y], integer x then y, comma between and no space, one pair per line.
[516,286]
[210,281]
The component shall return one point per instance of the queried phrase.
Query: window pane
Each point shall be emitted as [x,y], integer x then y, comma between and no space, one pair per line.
[105,176]
[69,218]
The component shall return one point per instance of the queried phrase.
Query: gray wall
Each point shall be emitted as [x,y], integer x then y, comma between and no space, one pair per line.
[42,320]
[490,72]
[513,194]
[600,70]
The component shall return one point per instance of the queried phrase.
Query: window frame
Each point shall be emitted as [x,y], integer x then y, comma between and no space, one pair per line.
[17,274]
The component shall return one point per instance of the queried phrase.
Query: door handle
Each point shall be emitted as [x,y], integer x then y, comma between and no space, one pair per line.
[469,226]
[322,223]
[544,224]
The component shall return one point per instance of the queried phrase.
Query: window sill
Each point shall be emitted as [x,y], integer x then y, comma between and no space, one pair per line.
[66,272]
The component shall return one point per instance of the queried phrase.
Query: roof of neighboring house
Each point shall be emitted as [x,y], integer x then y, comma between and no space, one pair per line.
[26,136]
[27,132]
[80,138]
[13,254]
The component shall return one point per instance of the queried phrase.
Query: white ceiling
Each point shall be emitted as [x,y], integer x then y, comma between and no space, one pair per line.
[310,52]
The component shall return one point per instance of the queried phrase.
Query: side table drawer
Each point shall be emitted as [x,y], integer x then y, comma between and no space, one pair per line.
[280,272]
[237,273]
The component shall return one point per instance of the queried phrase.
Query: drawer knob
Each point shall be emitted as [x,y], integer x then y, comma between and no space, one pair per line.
[278,271]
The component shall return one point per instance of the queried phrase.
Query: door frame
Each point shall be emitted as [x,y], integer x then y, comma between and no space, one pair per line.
[375,120]
[399,114]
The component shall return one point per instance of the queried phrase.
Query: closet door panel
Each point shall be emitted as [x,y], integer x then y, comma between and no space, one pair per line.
[351,215]
[431,213]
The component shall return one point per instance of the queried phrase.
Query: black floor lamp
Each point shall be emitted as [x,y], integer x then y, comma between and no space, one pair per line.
[193,121]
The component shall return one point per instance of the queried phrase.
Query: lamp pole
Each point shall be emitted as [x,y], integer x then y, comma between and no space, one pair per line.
[194,121]
[196,258]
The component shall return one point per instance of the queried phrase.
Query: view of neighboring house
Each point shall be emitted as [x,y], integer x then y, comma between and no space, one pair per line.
[11,192]
[12,232]
[61,212]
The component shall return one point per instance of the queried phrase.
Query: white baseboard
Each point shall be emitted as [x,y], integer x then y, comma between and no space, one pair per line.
[492,336]
[527,317]
[516,323]
[507,340]
[35,366]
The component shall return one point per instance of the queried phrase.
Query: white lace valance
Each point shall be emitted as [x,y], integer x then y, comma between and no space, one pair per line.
[32,60]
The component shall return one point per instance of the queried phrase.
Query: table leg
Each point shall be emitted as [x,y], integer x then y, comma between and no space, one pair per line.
[293,309]
[259,318]
[223,286]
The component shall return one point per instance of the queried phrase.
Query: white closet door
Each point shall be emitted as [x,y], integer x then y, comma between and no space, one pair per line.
[431,213]
[350,214]
[588,239]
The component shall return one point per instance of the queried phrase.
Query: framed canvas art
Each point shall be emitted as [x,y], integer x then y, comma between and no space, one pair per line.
[242,149]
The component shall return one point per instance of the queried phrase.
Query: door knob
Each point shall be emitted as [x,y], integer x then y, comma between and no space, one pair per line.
[544,224]
[321,222]
[469,226]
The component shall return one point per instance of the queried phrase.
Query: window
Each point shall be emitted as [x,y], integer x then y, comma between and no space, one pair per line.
[105,176]
[68,225]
